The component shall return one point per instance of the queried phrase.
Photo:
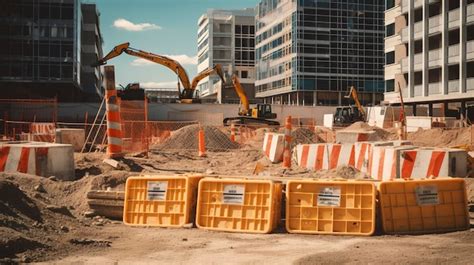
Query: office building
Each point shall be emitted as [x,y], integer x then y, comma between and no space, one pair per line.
[429,50]
[40,49]
[311,52]
[227,37]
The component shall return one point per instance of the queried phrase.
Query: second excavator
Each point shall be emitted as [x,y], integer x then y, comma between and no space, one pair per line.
[261,114]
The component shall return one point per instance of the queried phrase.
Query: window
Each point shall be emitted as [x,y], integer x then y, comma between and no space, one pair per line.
[390,57]
[453,72]
[434,75]
[453,37]
[390,85]
[238,29]
[389,4]
[244,74]
[469,69]
[390,30]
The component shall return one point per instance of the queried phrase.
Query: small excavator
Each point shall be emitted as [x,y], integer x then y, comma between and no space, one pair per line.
[261,114]
[347,115]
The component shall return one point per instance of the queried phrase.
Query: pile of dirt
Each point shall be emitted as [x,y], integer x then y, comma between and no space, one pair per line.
[380,134]
[342,172]
[186,138]
[304,136]
[441,137]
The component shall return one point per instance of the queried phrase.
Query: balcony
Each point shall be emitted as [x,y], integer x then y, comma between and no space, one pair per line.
[453,53]
[418,91]
[418,28]
[418,60]
[434,88]
[470,50]
[434,24]
[470,83]
[434,58]
[453,18]
[405,6]
[404,64]
[405,35]
[453,86]
[470,13]
[392,41]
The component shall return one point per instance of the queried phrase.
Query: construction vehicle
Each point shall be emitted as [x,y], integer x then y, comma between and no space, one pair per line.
[347,115]
[186,96]
[216,69]
[261,114]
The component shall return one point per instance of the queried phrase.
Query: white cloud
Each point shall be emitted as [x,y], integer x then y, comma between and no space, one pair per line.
[167,84]
[124,24]
[183,59]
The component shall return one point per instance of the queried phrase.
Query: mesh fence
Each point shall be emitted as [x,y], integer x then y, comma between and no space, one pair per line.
[133,114]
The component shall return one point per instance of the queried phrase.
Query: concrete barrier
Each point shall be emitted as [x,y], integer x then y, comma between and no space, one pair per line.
[312,156]
[38,158]
[386,161]
[273,146]
[344,136]
[432,163]
[74,137]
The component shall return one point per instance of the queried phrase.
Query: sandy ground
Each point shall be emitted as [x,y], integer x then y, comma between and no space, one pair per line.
[59,232]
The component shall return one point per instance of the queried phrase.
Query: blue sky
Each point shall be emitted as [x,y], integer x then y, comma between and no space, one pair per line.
[165,27]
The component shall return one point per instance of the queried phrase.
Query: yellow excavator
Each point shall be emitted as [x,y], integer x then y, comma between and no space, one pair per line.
[187,95]
[261,114]
[216,69]
[347,115]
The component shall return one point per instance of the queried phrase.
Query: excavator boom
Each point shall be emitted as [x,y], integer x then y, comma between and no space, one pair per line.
[173,65]
[216,69]
[355,96]
[245,107]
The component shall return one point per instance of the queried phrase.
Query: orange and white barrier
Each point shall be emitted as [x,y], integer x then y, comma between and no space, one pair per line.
[363,154]
[201,143]
[343,136]
[38,158]
[385,161]
[43,128]
[341,155]
[114,127]
[273,146]
[312,156]
[432,163]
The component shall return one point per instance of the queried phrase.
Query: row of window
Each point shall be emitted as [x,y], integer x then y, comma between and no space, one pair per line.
[30,71]
[43,31]
[36,48]
[42,10]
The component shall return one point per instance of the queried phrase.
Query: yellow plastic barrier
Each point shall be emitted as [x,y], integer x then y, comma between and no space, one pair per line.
[238,205]
[330,207]
[164,201]
[423,206]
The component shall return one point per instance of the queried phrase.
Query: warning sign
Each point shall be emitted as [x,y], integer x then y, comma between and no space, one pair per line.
[329,196]
[157,190]
[233,194]
[427,195]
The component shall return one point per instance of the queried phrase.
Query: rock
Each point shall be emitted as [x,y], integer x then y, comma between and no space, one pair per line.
[97,223]
[210,171]
[25,259]
[111,162]
[53,178]
[59,209]
[89,214]
[64,228]
[184,239]
[189,225]
[39,188]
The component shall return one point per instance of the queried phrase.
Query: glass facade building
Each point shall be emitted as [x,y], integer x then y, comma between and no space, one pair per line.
[311,52]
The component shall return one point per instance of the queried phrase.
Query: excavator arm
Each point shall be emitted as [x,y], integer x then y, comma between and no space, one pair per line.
[245,107]
[173,65]
[216,69]
[355,96]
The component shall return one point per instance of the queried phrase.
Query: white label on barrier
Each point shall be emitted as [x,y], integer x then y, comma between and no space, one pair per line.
[233,194]
[427,195]
[329,196]
[157,190]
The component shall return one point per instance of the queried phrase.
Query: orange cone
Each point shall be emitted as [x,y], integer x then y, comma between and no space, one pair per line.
[201,143]
[287,146]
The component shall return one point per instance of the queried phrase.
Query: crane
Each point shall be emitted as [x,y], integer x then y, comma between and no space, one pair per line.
[173,65]
[262,114]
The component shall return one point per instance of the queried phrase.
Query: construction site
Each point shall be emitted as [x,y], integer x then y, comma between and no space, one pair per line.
[348,179]
[114,185]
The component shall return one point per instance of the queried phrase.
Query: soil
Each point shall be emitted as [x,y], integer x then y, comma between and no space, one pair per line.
[43,219]
[441,137]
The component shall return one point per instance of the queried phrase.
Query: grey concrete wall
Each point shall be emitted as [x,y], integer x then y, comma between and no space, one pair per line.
[205,113]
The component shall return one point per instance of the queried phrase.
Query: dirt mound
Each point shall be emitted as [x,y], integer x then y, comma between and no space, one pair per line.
[344,172]
[441,137]
[380,134]
[186,138]
[304,136]
[14,203]
[358,126]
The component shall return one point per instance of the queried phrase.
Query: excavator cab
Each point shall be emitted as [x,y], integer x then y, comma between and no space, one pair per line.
[345,116]
[263,111]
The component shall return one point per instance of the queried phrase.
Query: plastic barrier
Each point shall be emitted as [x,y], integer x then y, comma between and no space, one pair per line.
[164,201]
[330,207]
[423,206]
[238,205]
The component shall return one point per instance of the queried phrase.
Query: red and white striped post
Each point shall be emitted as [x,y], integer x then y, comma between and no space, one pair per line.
[201,143]
[114,125]
[287,144]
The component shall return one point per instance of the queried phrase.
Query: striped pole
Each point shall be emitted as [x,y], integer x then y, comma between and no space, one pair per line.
[232,132]
[287,144]
[114,128]
[201,143]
